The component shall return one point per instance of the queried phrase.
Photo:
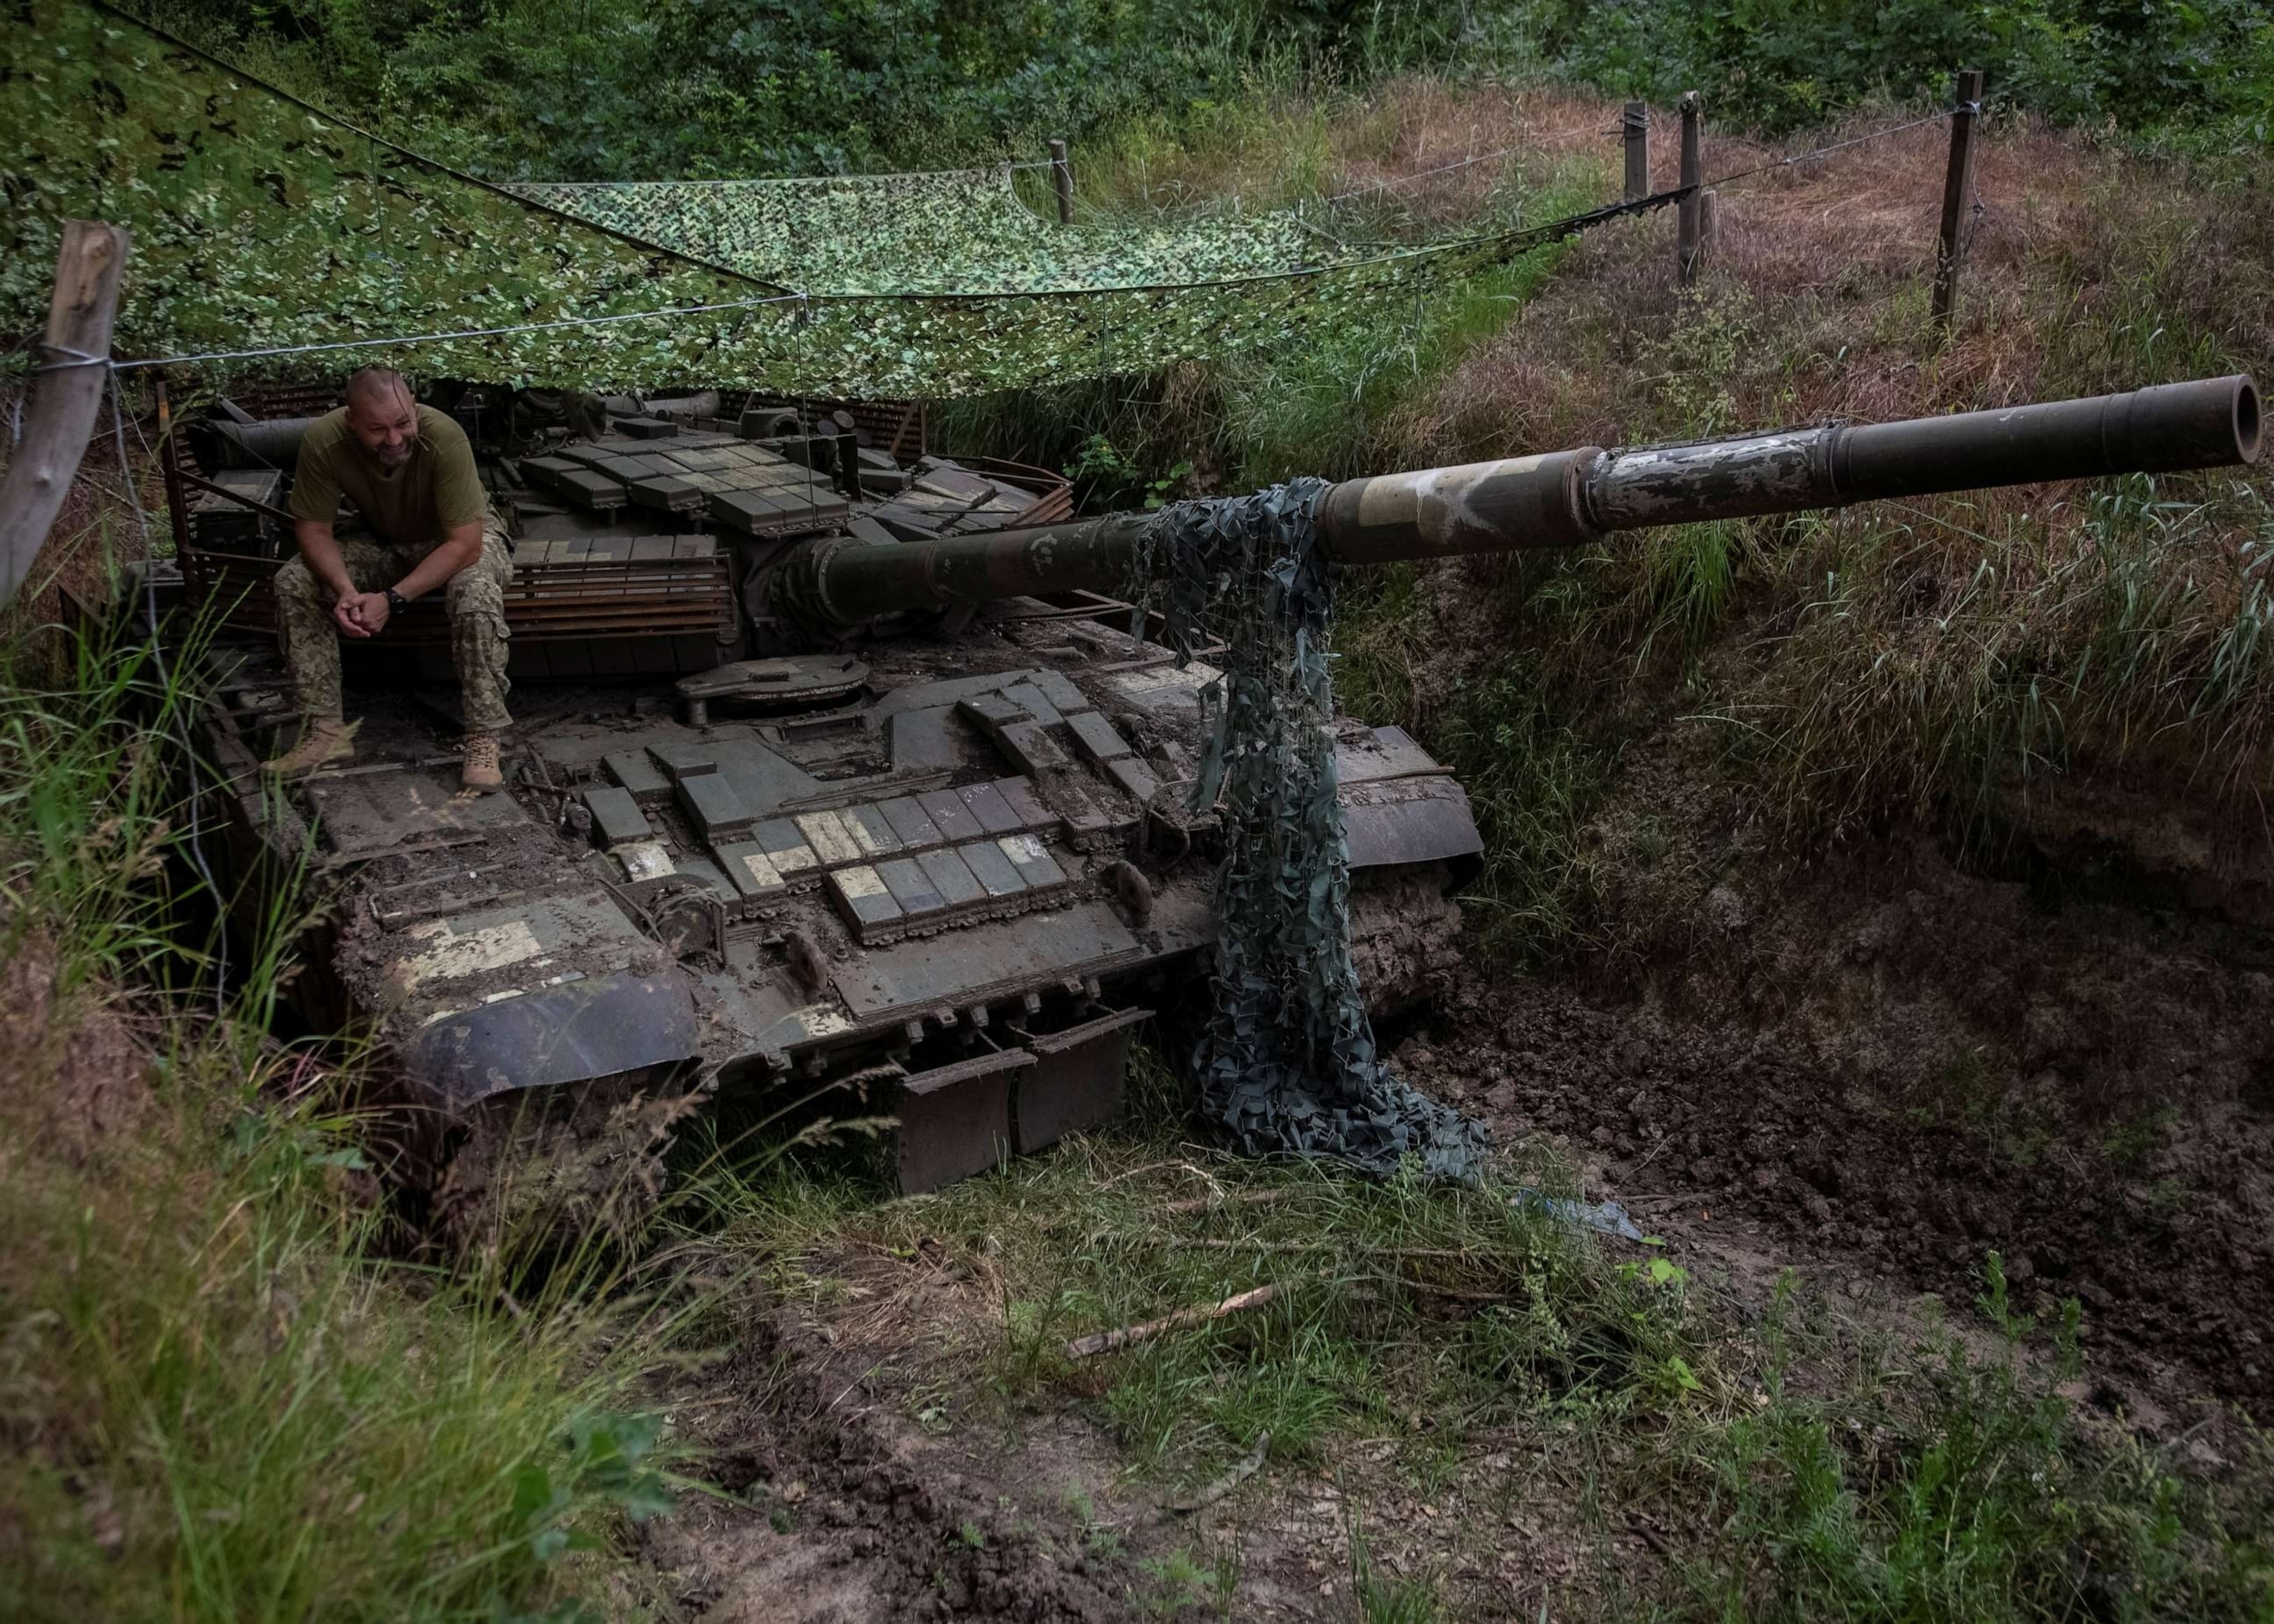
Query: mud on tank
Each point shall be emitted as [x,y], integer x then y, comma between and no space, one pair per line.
[933,866]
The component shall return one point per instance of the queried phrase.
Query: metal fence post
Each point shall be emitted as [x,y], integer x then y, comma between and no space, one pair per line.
[1062,179]
[1634,133]
[1693,176]
[1957,186]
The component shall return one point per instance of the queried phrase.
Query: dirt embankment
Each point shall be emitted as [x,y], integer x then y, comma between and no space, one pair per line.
[1892,1060]
[1824,985]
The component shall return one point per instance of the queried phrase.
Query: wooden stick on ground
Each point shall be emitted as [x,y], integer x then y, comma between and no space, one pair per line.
[1442,1253]
[1250,1198]
[1121,1336]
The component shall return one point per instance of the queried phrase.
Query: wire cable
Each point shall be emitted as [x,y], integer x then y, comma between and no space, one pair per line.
[1857,141]
[1407,180]
[405,339]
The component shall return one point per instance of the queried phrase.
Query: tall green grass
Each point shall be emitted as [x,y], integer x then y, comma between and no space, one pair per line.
[221,1397]
[1950,674]
[1963,1485]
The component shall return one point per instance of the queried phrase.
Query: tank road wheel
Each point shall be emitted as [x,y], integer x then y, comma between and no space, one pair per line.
[549,1172]
[1404,933]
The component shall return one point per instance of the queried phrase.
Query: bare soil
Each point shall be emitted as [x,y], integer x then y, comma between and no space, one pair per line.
[1890,1063]
[849,1487]
[862,1470]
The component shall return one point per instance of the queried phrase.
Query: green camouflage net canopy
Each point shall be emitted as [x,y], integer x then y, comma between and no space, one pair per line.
[959,231]
[261,223]
[1286,1063]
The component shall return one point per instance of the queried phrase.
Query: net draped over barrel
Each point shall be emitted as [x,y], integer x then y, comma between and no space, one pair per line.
[1286,1061]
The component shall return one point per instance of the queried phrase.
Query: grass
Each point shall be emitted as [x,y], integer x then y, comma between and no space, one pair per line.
[1354,1344]
[1533,777]
[1922,681]
[229,1412]
[1456,1348]
[1317,406]
[1964,666]
[1966,1490]
[222,1399]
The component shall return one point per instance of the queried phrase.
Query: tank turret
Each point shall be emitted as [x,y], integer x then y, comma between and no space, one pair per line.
[1563,499]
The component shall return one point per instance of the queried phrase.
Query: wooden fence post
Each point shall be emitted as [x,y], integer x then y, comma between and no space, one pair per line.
[1062,179]
[1694,178]
[1957,187]
[60,404]
[1634,133]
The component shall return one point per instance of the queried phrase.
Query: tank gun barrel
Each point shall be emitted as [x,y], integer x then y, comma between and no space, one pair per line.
[1563,499]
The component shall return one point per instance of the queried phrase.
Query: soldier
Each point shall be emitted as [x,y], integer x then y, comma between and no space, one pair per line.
[411,474]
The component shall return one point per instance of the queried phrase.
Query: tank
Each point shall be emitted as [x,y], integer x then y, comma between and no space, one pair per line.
[844,794]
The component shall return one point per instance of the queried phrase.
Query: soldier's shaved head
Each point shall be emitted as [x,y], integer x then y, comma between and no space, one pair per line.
[382,414]
[376,386]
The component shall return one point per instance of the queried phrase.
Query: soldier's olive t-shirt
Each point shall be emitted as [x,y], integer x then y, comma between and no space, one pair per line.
[415,505]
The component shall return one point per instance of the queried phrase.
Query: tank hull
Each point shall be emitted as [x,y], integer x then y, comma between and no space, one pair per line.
[941,876]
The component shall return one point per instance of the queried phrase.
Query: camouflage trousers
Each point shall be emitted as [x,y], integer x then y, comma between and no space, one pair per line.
[474,597]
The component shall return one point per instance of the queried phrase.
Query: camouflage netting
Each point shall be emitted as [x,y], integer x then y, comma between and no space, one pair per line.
[1287,1062]
[960,231]
[260,221]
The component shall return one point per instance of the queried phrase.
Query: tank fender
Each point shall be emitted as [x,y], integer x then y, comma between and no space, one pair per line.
[571,1031]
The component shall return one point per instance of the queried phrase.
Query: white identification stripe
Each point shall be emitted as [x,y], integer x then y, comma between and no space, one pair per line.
[861,881]
[1021,849]
[452,955]
[763,873]
[794,859]
[826,833]
[869,845]
[820,1021]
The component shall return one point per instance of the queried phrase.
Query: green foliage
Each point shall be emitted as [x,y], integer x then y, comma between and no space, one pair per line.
[1353,1342]
[1107,479]
[86,806]
[1384,1598]
[2201,74]
[1969,1493]
[249,1419]
[1317,408]
[1950,692]
[221,1403]
[643,89]
[1173,1583]
[1801,1467]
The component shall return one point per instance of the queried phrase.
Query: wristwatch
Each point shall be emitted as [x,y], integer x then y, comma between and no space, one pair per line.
[396,603]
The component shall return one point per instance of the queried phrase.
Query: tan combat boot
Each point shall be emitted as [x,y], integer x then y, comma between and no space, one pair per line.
[325,741]
[481,774]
